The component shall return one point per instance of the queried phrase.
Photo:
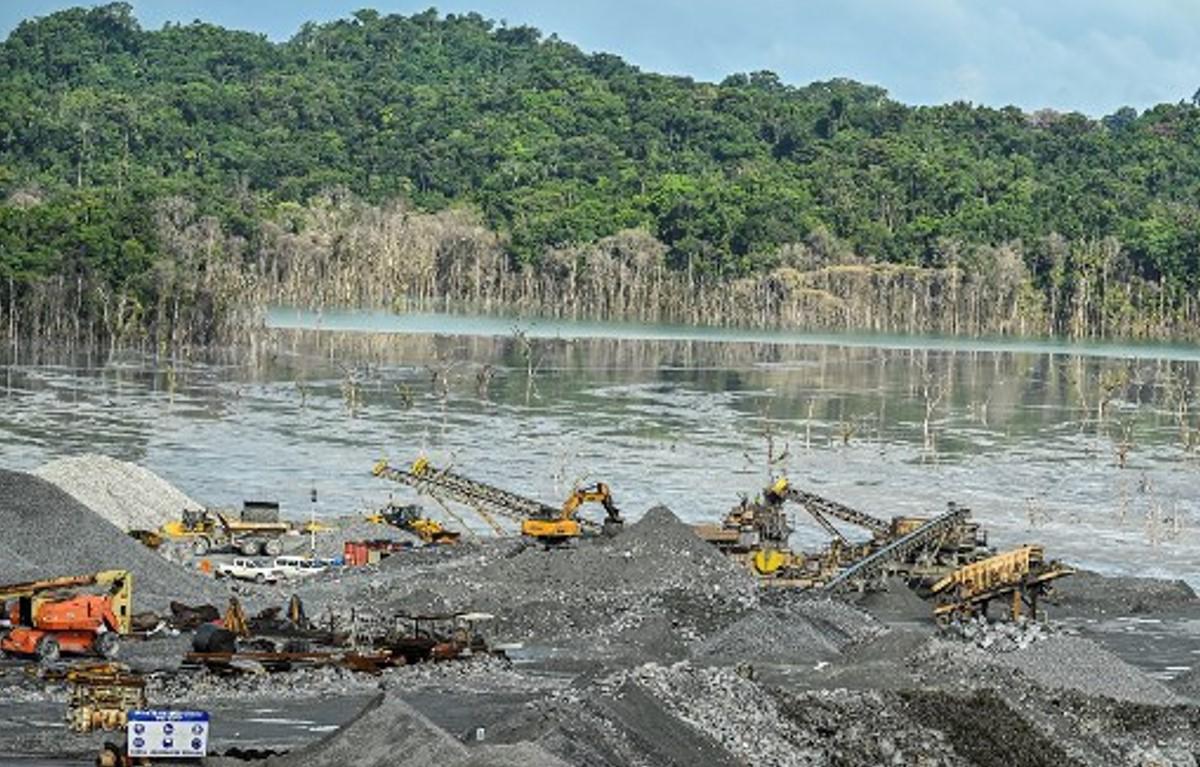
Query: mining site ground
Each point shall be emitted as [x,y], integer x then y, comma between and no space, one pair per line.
[647,648]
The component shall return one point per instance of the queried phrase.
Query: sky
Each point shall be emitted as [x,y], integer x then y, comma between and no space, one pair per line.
[1092,56]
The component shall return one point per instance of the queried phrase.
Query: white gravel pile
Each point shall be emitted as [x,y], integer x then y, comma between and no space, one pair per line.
[127,495]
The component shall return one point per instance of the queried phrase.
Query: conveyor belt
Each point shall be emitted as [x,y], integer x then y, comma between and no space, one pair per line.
[483,497]
[823,507]
[901,548]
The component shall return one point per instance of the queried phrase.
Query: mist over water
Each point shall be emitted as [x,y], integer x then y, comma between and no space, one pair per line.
[1029,435]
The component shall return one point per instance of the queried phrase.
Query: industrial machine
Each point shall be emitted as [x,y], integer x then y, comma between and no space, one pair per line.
[1021,576]
[210,530]
[57,615]
[411,519]
[541,521]
[101,695]
[757,534]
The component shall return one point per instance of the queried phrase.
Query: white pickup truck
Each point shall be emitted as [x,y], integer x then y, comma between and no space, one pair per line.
[249,570]
[299,567]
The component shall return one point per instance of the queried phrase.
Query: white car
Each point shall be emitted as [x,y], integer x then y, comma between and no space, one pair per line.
[299,567]
[249,570]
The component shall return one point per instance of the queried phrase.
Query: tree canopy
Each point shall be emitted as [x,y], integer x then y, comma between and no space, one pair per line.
[553,147]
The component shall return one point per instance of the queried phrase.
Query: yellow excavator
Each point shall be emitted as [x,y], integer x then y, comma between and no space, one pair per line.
[564,524]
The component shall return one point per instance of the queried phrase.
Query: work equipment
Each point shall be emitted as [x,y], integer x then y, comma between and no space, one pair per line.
[538,520]
[101,695]
[1021,575]
[411,519]
[46,618]
[757,533]
[905,549]
[210,530]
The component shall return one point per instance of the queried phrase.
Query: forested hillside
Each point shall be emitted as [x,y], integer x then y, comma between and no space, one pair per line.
[151,180]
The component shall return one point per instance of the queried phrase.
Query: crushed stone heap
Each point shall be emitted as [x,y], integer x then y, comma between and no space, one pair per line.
[47,533]
[127,495]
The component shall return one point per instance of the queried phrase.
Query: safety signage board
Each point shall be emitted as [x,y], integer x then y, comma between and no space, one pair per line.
[167,734]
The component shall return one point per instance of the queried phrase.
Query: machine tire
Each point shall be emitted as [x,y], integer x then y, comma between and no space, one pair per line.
[200,546]
[107,645]
[110,755]
[47,649]
[272,547]
[248,548]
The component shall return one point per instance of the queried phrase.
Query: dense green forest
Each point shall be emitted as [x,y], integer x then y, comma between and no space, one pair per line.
[156,183]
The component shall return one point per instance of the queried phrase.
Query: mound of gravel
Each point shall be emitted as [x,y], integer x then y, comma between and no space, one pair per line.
[391,733]
[1091,594]
[1076,663]
[806,633]
[127,495]
[47,533]
[656,554]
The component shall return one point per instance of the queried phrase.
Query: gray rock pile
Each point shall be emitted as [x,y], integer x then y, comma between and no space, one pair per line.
[1076,663]
[810,631]
[1001,637]
[47,533]
[391,733]
[127,495]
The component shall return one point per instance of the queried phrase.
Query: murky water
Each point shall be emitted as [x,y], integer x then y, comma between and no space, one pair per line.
[1030,435]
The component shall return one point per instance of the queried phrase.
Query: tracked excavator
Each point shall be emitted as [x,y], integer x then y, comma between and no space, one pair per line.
[540,521]
[58,615]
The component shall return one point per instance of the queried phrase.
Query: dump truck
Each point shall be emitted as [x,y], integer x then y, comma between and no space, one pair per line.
[210,530]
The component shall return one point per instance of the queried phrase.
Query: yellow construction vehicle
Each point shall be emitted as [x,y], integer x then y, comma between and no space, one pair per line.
[564,524]
[538,520]
[410,519]
[50,616]
[210,530]
[1021,575]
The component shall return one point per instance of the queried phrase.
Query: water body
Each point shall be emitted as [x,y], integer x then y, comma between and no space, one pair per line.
[1029,434]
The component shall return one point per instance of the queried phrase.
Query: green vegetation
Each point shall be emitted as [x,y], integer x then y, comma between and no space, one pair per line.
[152,179]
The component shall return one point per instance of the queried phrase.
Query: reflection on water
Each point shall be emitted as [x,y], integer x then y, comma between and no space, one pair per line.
[1030,439]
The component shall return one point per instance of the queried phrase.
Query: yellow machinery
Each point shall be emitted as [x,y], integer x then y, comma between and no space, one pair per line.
[50,616]
[210,530]
[538,520]
[409,518]
[757,533]
[1020,575]
[100,696]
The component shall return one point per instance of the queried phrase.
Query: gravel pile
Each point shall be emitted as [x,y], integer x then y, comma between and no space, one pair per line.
[391,733]
[732,710]
[1088,594]
[1002,637]
[1076,663]
[47,533]
[806,633]
[127,495]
